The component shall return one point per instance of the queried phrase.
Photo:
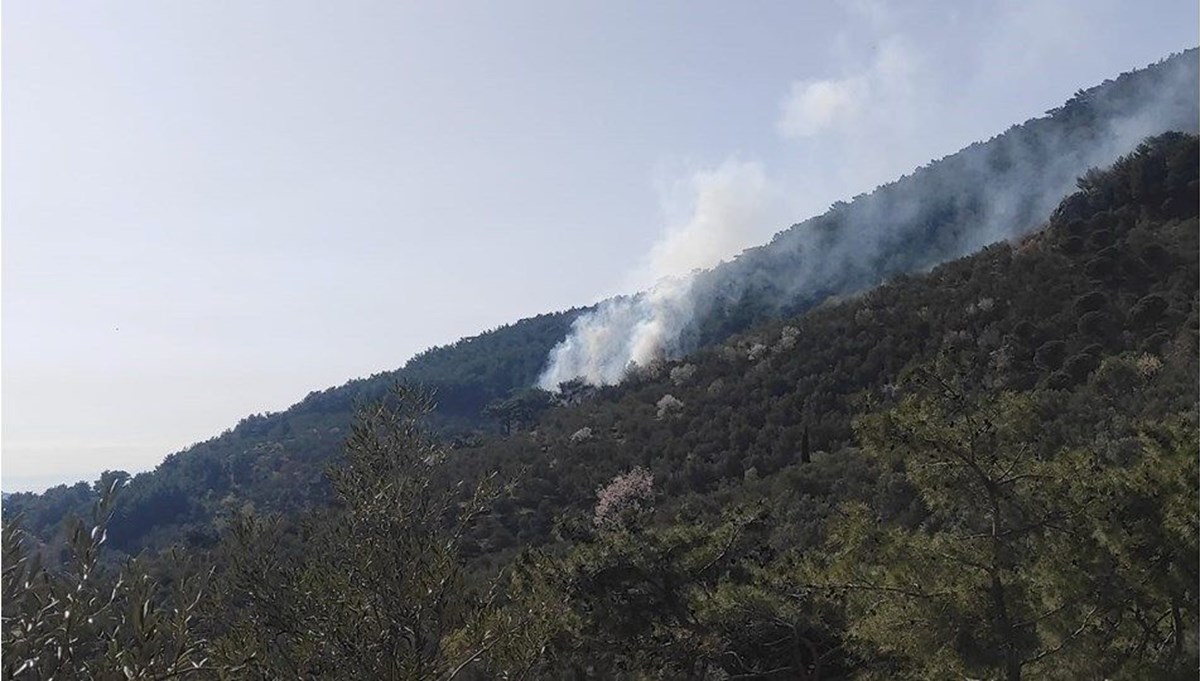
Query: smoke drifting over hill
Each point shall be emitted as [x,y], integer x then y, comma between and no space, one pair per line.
[988,192]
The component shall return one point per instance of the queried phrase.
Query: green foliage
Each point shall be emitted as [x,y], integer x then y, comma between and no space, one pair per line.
[1029,564]
[377,587]
[522,410]
[86,621]
[1137,549]
[687,601]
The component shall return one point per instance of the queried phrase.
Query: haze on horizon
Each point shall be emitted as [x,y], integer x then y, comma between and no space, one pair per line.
[211,209]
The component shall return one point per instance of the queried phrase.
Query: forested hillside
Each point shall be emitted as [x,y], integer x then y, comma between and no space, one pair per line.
[994,190]
[990,191]
[1110,282]
[986,471]
[276,462]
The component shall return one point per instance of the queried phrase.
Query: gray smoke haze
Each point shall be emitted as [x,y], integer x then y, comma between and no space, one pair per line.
[989,192]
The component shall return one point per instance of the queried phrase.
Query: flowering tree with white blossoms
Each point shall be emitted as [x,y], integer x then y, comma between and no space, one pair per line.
[625,495]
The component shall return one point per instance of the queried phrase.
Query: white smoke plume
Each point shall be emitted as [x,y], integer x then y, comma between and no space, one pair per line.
[816,106]
[620,333]
[731,207]
[711,215]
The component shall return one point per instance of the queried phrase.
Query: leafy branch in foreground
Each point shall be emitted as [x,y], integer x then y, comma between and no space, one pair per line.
[85,621]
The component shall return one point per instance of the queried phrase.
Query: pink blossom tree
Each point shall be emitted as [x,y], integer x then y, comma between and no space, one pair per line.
[624,496]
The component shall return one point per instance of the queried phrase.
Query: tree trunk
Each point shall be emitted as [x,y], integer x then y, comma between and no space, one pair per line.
[1012,656]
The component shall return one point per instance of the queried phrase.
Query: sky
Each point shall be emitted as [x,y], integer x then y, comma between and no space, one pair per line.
[211,208]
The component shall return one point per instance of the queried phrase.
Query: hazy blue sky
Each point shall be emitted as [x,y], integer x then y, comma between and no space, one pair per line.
[212,208]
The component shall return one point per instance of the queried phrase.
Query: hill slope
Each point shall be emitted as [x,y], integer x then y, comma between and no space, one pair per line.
[276,461]
[1108,284]
[1000,189]
[986,471]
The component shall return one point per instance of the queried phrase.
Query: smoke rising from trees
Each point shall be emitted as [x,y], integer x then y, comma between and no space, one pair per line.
[989,192]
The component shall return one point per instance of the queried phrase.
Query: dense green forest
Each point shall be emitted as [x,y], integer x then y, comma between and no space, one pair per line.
[986,471]
[1008,185]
